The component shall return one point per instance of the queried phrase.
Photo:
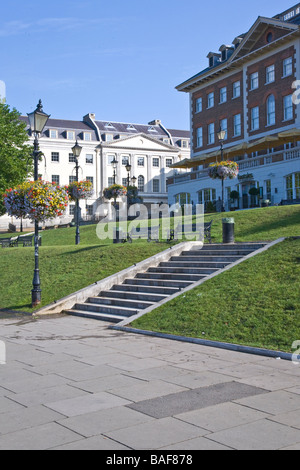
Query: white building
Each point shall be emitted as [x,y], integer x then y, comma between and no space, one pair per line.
[150,149]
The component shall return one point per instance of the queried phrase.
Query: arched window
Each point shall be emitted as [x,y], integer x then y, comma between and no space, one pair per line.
[141,183]
[271,110]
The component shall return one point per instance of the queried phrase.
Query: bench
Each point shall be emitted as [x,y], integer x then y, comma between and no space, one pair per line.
[8,242]
[27,240]
[190,229]
[289,202]
[149,233]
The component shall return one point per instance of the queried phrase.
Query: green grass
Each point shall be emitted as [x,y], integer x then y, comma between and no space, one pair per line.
[256,303]
[65,267]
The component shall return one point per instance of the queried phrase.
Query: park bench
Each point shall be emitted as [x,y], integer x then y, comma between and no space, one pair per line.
[27,240]
[8,242]
[190,229]
[149,233]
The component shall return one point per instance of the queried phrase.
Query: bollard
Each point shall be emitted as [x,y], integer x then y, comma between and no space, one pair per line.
[228,230]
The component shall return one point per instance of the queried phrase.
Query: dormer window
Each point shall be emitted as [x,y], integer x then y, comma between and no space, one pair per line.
[109,124]
[213,58]
[226,52]
[130,127]
[151,129]
[70,135]
[87,136]
[53,134]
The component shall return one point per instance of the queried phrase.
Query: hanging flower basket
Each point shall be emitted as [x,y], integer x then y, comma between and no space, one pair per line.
[114,191]
[80,190]
[223,170]
[36,200]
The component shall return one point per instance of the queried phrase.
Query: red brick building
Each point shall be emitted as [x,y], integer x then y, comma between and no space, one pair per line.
[247,90]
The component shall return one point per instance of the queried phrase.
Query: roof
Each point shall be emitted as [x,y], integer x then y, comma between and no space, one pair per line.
[118,129]
[245,46]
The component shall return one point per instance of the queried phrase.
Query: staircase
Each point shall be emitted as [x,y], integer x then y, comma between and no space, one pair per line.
[158,283]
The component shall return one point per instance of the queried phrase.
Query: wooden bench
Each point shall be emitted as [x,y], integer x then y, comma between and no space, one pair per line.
[190,229]
[149,233]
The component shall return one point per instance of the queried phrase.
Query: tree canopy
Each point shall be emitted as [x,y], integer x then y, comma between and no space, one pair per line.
[15,152]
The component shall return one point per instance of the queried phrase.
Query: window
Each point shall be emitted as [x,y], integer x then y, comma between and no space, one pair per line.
[109,137]
[287,67]
[141,161]
[270,74]
[293,186]
[237,125]
[55,179]
[254,81]
[91,179]
[89,209]
[72,209]
[155,162]
[211,133]
[236,89]
[156,185]
[110,180]
[288,107]
[70,135]
[223,125]
[124,181]
[110,158]
[55,157]
[271,110]
[223,95]
[255,118]
[141,183]
[206,195]
[184,144]
[199,137]
[268,189]
[72,158]
[125,160]
[87,136]
[183,198]
[198,105]
[169,162]
[89,158]
[53,134]
[210,100]
[72,179]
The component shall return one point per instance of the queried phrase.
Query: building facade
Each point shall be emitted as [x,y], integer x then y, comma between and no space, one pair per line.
[150,149]
[248,90]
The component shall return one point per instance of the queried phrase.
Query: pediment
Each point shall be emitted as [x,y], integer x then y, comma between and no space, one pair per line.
[264,31]
[140,141]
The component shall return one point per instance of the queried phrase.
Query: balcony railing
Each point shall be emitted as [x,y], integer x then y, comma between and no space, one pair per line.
[246,164]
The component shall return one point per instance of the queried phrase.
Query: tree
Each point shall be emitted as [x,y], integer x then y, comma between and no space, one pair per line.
[15,152]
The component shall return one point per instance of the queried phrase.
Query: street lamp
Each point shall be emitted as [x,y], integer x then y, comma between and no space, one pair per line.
[128,169]
[114,164]
[221,136]
[37,121]
[76,153]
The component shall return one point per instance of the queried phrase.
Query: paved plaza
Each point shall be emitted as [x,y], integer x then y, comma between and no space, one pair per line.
[73,383]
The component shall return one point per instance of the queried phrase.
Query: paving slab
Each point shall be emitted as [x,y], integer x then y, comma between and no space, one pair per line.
[74,383]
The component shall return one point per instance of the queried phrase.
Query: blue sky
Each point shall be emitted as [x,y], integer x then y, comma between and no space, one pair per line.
[119,59]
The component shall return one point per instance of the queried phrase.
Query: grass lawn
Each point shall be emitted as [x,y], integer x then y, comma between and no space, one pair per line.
[65,267]
[256,303]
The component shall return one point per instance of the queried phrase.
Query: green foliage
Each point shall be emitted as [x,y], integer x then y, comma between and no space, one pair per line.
[15,152]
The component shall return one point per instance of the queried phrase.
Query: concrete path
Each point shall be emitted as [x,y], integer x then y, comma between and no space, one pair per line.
[72,383]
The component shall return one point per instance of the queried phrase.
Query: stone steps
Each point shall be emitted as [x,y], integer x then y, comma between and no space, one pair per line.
[148,288]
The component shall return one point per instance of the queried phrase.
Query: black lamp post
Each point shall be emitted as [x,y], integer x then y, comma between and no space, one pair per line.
[76,152]
[221,137]
[128,169]
[114,164]
[37,121]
